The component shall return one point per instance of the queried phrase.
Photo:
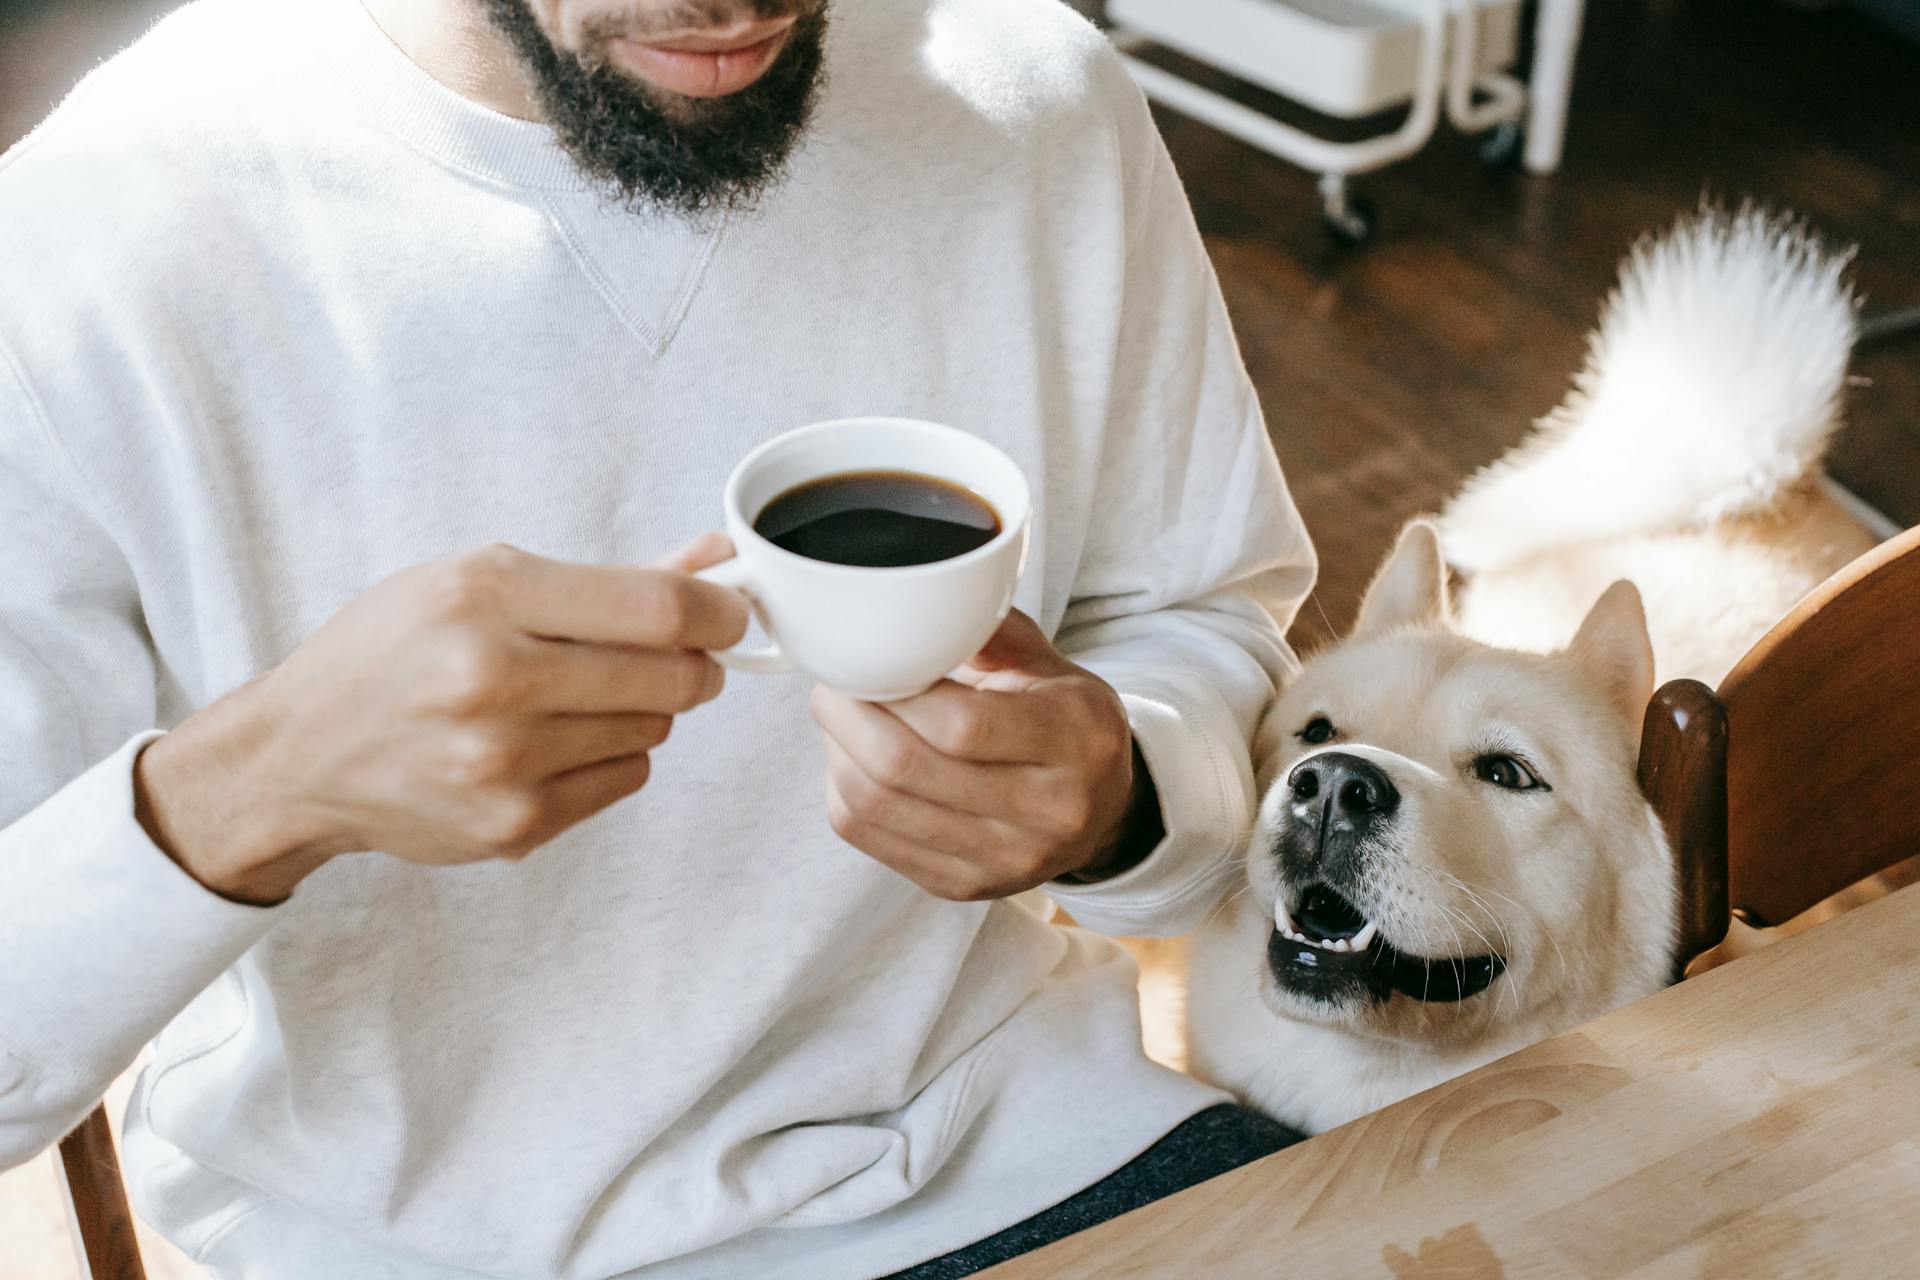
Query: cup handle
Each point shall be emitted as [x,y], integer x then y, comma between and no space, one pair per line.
[767,660]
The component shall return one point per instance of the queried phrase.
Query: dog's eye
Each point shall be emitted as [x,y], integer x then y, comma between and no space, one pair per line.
[1505,771]
[1318,730]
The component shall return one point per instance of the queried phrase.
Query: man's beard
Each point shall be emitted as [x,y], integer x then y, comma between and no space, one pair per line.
[693,156]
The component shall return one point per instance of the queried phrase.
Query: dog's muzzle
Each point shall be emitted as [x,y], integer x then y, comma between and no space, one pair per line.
[1324,945]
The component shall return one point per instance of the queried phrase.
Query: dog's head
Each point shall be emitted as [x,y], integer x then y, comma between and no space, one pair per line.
[1451,838]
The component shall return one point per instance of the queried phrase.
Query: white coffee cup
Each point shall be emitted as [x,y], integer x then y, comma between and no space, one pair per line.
[878,634]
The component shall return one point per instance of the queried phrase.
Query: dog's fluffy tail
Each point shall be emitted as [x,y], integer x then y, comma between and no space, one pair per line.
[1713,383]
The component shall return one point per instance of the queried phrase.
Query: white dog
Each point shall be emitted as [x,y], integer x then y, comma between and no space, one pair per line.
[1686,459]
[1452,858]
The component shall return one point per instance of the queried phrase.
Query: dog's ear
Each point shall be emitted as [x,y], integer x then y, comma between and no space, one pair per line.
[1411,588]
[1613,648]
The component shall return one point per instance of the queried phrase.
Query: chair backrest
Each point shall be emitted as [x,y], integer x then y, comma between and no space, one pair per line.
[1802,775]
[1683,774]
[98,1202]
[1823,724]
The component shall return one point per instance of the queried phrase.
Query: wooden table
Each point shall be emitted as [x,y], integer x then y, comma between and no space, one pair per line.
[1761,1120]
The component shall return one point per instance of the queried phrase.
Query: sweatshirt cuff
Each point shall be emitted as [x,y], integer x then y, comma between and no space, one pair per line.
[1205,782]
[103,938]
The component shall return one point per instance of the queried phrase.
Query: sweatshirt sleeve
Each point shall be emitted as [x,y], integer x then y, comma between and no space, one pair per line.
[1183,604]
[102,937]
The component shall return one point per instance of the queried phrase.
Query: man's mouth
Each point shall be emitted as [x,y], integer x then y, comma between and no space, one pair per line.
[704,64]
[1322,945]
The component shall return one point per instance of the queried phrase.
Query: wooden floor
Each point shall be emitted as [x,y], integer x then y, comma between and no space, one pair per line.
[1391,372]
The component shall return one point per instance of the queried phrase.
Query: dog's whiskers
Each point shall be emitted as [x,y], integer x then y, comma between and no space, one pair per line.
[1486,910]
[1221,908]
[1559,952]
[1320,609]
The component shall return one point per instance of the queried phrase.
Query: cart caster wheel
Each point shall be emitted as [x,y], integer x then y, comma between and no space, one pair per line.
[1500,148]
[1349,224]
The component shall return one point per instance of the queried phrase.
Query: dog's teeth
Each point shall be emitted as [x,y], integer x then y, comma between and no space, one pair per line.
[1335,944]
[1281,919]
[1364,938]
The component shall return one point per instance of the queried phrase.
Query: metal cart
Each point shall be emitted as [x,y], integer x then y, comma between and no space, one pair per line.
[1353,58]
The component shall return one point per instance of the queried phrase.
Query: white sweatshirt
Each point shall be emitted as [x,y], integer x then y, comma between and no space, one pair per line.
[280,315]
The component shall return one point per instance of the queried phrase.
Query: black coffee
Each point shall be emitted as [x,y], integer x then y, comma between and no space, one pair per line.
[879,519]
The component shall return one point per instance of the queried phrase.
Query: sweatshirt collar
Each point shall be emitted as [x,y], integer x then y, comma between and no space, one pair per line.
[402,98]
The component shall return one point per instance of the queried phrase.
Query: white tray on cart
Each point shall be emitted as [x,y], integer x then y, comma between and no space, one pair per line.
[1354,58]
[1341,57]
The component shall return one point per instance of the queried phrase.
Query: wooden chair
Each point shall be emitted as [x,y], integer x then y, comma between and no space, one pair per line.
[1801,777]
[97,1201]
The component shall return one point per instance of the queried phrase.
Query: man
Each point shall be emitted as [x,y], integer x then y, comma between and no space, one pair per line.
[351,360]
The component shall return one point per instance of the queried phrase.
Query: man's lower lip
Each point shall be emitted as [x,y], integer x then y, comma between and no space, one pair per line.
[699,74]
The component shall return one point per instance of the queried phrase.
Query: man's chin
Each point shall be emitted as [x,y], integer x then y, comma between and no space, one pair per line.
[649,146]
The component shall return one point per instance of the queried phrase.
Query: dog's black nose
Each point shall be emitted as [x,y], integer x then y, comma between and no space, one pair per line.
[1359,790]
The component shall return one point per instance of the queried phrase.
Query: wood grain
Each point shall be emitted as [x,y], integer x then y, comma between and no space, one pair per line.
[1824,721]
[98,1200]
[1755,1121]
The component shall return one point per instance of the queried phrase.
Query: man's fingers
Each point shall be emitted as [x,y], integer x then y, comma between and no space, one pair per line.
[896,757]
[703,552]
[560,678]
[598,604]
[941,874]
[562,743]
[580,793]
[1019,644]
[923,822]
[980,725]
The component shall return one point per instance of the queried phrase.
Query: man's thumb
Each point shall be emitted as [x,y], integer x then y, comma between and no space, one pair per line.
[1019,644]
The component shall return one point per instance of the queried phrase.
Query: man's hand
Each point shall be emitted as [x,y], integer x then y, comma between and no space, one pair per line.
[467,709]
[1020,770]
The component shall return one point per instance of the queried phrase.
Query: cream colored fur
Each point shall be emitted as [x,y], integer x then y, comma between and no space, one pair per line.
[1686,460]
[1573,886]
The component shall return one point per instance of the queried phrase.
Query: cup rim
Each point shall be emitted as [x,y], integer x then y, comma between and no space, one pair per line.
[1010,529]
